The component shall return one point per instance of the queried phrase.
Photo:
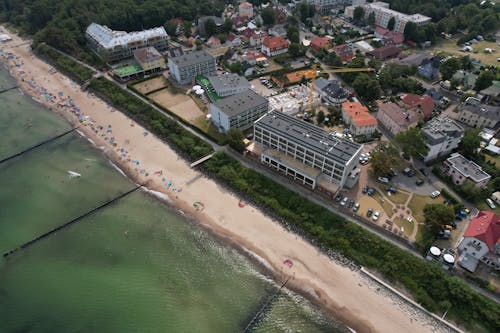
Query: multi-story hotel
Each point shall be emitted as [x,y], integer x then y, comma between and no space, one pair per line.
[113,46]
[186,67]
[305,152]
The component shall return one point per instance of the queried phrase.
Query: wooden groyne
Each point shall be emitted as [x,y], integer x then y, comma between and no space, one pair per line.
[8,89]
[38,145]
[263,308]
[67,224]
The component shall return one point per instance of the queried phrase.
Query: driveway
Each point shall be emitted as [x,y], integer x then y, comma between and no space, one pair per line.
[408,184]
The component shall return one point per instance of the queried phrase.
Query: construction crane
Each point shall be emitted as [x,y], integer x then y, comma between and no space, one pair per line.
[334,70]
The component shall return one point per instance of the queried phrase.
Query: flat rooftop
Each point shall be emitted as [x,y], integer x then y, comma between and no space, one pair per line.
[239,103]
[439,129]
[228,81]
[192,58]
[309,136]
[110,38]
[467,168]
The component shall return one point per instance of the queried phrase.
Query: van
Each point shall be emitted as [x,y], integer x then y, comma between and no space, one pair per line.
[490,203]
[384,180]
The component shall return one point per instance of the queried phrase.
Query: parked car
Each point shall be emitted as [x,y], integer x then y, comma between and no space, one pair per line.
[435,194]
[384,180]
[453,224]
[490,203]
[371,191]
[376,215]
[394,173]
[356,207]
[391,189]
[344,201]
[447,227]
[408,172]
[369,212]
[338,198]
[424,171]
[419,182]
[351,203]
[365,189]
[442,235]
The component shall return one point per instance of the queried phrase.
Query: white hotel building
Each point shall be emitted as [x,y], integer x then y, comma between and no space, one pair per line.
[305,152]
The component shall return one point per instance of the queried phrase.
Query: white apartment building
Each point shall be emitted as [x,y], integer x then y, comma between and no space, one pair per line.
[442,136]
[238,111]
[383,14]
[461,169]
[228,84]
[184,68]
[305,152]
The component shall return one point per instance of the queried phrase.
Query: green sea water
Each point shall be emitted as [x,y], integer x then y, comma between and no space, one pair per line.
[133,266]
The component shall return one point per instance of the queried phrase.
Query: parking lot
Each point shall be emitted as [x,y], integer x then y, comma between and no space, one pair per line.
[261,88]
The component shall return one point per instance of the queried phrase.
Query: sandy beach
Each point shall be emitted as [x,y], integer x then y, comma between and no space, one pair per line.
[353,298]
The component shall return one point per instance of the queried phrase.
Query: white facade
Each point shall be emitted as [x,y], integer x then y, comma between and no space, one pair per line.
[273,52]
[442,136]
[186,67]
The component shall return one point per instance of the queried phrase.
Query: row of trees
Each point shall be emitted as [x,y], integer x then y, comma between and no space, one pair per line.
[429,285]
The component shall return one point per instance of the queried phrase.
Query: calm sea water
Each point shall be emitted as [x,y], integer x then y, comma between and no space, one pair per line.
[134,266]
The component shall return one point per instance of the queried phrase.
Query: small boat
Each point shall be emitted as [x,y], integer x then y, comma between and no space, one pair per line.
[73,174]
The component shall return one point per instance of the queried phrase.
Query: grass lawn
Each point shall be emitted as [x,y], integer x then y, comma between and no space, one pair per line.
[399,198]
[417,204]
[493,159]
[450,46]
[403,223]
[386,206]
[206,126]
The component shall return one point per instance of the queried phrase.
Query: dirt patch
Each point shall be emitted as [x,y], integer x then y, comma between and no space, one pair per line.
[180,104]
[450,46]
[145,87]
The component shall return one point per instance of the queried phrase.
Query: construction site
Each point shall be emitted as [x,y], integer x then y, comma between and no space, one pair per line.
[295,100]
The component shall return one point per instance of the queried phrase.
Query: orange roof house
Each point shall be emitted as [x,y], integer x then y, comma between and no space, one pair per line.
[275,45]
[359,120]
[318,43]
[424,103]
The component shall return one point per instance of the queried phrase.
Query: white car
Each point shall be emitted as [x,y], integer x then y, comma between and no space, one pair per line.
[435,194]
[490,203]
[376,215]
[344,201]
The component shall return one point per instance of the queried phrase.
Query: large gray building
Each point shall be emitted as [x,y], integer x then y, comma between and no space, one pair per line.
[186,67]
[238,111]
[305,152]
[441,135]
[113,46]
[229,84]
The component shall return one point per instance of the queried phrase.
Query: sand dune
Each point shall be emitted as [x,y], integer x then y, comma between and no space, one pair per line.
[347,293]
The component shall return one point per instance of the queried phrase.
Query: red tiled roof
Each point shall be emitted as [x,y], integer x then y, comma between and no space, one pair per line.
[275,43]
[381,31]
[425,103]
[486,228]
[359,114]
[354,106]
[318,43]
[245,4]
[344,52]
[385,52]
[397,114]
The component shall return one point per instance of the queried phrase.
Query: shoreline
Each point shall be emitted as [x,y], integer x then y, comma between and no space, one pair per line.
[309,279]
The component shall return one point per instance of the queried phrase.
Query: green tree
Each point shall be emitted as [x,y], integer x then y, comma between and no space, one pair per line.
[381,163]
[292,33]
[320,117]
[296,50]
[391,23]
[484,80]
[186,27]
[449,67]
[235,139]
[367,87]
[268,16]
[235,67]
[332,59]
[210,27]
[228,25]
[412,142]
[371,19]
[410,32]
[470,142]
[171,28]
[438,215]
[306,11]
[358,14]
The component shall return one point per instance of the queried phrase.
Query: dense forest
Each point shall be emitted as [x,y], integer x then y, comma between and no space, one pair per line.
[61,23]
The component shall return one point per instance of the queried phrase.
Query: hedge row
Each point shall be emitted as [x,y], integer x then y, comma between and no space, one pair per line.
[428,283]
[184,142]
[63,63]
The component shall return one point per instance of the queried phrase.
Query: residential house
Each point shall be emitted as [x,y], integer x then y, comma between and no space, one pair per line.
[245,9]
[467,80]
[213,42]
[150,59]
[278,31]
[429,68]
[257,37]
[238,111]
[357,118]
[385,52]
[306,153]
[442,135]
[234,39]
[318,43]
[473,113]
[344,52]
[331,91]
[219,22]
[423,104]
[272,46]
[389,37]
[461,169]
[481,242]
[414,59]
[492,93]
[395,119]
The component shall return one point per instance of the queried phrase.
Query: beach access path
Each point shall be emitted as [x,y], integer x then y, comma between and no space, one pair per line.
[141,155]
